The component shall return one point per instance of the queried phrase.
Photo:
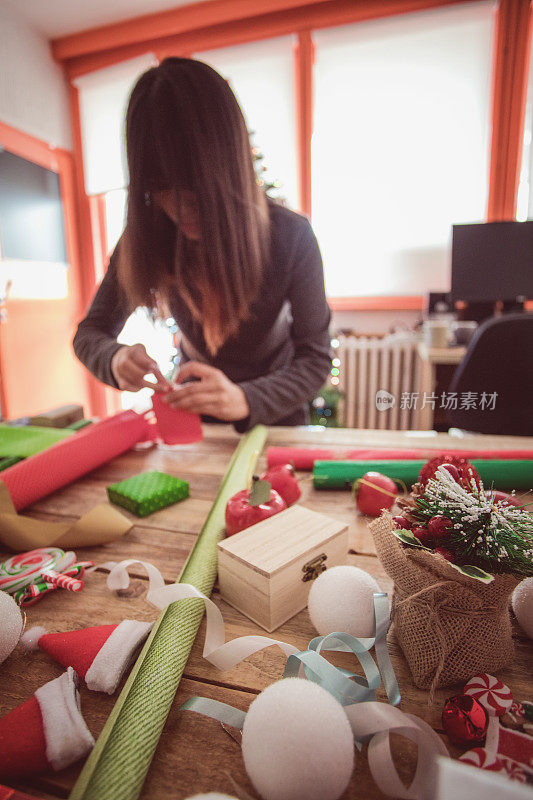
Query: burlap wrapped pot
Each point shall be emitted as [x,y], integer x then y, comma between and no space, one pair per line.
[449,626]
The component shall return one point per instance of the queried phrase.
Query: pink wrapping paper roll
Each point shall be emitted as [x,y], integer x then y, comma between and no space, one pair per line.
[304,458]
[69,459]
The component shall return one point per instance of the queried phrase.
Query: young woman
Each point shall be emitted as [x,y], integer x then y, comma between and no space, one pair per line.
[241,275]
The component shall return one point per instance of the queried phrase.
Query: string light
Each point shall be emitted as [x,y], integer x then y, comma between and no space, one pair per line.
[334,343]
[336,362]
[335,381]
[334,371]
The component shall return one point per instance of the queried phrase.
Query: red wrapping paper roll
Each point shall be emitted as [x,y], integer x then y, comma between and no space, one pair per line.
[69,459]
[304,458]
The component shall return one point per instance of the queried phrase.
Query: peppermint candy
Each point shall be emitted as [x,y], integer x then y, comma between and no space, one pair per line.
[493,695]
[480,758]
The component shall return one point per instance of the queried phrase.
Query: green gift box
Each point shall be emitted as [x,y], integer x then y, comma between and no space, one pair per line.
[148,492]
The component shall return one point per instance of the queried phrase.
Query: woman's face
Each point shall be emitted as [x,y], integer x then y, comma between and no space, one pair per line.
[182,209]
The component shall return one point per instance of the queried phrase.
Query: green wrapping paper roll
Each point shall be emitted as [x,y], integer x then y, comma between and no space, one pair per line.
[493,473]
[121,757]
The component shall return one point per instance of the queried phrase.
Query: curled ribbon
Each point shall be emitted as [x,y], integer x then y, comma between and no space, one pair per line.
[371,721]
[345,686]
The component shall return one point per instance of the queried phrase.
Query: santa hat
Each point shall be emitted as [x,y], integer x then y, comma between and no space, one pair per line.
[100,655]
[47,731]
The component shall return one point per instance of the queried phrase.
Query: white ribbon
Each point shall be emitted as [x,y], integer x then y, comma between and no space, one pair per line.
[376,721]
[221,654]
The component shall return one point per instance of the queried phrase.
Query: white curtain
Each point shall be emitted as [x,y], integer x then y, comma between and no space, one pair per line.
[525,188]
[261,76]
[104,96]
[400,149]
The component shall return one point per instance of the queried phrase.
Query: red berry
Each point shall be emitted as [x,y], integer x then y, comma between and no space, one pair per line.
[422,534]
[447,554]
[402,522]
[439,527]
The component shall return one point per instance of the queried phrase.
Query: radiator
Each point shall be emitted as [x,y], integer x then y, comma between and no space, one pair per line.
[377,379]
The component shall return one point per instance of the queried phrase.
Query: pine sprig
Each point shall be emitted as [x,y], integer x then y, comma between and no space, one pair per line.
[491,535]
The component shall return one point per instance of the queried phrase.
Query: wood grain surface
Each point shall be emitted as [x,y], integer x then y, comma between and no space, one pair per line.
[196,754]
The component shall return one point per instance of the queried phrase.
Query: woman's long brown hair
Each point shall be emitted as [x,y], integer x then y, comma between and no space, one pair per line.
[185,131]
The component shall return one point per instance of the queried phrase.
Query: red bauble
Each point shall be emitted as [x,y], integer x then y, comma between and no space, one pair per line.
[439,528]
[459,468]
[240,514]
[496,496]
[447,554]
[422,534]
[283,480]
[402,522]
[464,720]
[374,493]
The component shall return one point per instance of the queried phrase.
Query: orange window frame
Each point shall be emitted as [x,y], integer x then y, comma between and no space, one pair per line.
[219,23]
[63,163]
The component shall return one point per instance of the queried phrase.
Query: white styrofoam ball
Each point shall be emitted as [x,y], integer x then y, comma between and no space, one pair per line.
[341,599]
[10,625]
[522,603]
[212,796]
[297,743]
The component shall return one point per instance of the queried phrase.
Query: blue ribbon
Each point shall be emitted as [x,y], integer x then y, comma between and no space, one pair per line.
[346,687]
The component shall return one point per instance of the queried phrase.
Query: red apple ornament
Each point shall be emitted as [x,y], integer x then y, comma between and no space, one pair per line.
[250,506]
[283,480]
[374,492]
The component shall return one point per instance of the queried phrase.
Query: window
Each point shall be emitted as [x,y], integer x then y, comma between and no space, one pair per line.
[400,149]
[524,208]
[261,76]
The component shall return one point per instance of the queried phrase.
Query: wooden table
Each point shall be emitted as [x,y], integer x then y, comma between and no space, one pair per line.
[195,754]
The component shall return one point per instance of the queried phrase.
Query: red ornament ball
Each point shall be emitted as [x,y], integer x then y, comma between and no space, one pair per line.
[374,492]
[460,469]
[464,720]
[440,527]
[503,497]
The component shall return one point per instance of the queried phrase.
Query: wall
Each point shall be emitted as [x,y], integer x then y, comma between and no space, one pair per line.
[33,90]
[374,321]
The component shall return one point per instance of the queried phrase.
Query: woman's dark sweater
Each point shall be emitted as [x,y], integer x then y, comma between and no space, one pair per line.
[280,356]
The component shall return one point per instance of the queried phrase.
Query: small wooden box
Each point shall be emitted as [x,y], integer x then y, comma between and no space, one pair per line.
[266,570]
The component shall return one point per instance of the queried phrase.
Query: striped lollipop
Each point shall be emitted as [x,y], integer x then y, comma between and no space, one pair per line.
[25,568]
[493,695]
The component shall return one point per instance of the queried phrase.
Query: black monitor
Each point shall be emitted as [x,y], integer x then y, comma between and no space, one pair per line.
[492,261]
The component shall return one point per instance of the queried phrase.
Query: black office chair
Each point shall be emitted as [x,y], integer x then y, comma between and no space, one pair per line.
[497,371]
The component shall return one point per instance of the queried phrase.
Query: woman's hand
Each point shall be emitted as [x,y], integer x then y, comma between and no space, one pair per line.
[214,394]
[130,364]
